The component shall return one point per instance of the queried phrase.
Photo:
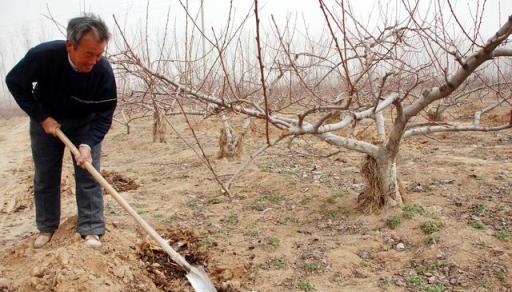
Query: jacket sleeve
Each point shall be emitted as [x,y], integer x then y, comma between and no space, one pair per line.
[102,119]
[19,81]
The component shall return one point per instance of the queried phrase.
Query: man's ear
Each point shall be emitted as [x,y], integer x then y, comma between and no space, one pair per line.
[69,46]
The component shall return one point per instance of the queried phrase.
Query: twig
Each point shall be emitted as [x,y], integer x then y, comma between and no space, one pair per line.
[210,167]
[262,73]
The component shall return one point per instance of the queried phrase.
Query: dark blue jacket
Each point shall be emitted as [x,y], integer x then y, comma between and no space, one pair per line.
[62,93]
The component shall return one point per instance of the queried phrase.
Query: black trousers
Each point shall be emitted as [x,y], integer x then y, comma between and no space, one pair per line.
[47,152]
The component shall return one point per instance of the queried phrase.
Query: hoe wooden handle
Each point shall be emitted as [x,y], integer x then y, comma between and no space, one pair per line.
[103,182]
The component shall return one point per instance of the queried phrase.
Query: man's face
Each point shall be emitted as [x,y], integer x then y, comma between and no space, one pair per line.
[87,53]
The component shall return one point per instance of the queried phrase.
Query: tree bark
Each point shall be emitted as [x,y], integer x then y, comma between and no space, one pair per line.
[231,146]
[158,127]
[382,186]
[387,170]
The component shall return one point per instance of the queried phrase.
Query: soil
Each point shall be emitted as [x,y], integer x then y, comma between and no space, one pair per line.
[290,224]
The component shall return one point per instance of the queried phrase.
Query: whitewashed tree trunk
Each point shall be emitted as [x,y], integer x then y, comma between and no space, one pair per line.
[231,146]
[387,171]
[159,128]
[382,187]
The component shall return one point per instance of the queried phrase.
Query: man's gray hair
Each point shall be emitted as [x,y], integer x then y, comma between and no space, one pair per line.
[80,26]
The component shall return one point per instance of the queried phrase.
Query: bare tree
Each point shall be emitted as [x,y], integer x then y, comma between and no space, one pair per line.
[353,87]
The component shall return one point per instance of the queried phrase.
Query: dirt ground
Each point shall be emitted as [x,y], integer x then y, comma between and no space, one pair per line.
[290,224]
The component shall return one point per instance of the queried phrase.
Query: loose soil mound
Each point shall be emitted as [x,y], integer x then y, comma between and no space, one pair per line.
[65,264]
[119,181]
[168,276]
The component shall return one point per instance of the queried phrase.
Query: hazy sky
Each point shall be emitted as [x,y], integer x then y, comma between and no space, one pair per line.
[23,24]
[22,21]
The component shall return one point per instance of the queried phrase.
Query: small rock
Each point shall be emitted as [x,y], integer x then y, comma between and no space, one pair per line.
[364,254]
[416,188]
[400,246]
[432,280]
[474,217]
[155,265]
[317,176]
[441,255]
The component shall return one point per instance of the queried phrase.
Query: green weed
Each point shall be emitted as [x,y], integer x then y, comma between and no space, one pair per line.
[274,242]
[393,221]
[434,288]
[427,267]
[503,234]
[279,263]
[311,266]
[431,226]
[232,218]
[305,286]
[414,280]
[478,209]
[385,282]
[411,210]
[477,224]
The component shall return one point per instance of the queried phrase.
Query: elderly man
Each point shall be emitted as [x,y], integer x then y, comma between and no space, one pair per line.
[75,91]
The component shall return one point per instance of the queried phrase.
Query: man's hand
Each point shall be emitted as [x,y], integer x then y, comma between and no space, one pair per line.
[85,155]
[50,126]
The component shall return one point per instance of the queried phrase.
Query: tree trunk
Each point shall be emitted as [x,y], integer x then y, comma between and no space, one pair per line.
[390,184]
[382,186]
[159,128]
[231,146]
